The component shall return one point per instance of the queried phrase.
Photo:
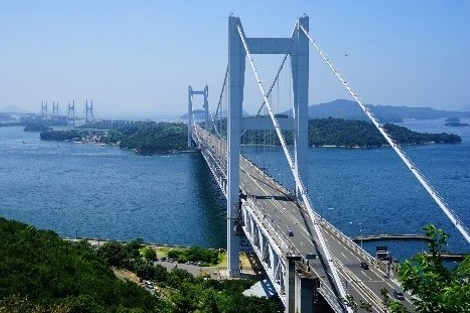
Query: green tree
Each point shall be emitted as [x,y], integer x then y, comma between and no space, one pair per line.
[49,275]
[114,253]
[436,287]
[179,276]
[149,254]
[161,273]
[188,297]
[133,248]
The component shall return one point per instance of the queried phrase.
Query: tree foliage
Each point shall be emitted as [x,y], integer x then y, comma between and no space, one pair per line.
[349,134]
[195,254]
[149,254]
[63,135]
[47,274]
[36,127]
[150,137]
[436,287]
[193,294]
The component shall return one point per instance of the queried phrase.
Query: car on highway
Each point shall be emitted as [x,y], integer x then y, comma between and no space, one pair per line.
[290,232]
[397,293]
[364,265]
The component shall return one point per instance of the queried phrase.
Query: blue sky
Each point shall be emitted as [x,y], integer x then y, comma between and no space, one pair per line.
[138,57]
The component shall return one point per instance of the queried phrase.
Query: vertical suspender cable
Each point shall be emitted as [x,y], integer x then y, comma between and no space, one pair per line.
[271,88]
[220,101]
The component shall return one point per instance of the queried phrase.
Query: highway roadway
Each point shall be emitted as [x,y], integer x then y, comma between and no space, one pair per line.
[277,207]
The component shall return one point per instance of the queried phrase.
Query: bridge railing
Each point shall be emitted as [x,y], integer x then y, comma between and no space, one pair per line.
[352,245]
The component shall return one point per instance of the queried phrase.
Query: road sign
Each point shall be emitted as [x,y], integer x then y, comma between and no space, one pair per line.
[311,256]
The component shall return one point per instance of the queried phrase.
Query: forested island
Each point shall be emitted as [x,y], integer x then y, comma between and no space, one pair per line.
[36,127]
[151,137]
[455,122]
[142,137]
[337,132]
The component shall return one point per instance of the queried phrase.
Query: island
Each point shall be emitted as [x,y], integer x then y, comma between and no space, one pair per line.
[337,132]
[455,122]
[37,127]
[159,138]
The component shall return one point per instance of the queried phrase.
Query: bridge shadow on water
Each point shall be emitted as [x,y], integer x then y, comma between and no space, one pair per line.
[211,202]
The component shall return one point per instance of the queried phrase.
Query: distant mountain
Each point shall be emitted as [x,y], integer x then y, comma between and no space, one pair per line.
[348,109]
[340,108]
[12,109]
[197,114]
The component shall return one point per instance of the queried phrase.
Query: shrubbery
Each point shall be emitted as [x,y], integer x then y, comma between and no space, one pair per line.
[48,274]
[186,292]
[40,270]
[195,254]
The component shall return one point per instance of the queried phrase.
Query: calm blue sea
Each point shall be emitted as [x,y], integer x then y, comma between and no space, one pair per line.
[100,191]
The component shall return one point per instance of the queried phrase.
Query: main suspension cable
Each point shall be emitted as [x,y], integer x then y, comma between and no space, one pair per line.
[456,221]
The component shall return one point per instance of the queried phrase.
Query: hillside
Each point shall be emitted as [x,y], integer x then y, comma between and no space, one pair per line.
[42,273]
[47,272]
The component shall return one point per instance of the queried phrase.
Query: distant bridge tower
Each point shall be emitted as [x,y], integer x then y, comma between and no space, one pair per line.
[205,93]
[43,109]
[71,113]
[89,112]
[297,47]
[55,109]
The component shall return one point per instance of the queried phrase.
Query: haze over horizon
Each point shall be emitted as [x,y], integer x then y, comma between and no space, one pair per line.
[137,58]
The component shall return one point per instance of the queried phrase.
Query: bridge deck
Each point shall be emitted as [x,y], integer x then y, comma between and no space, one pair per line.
[280,212]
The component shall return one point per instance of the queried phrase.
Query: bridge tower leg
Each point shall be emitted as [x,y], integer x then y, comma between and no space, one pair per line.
[236,80]
[55,109]
[206,108]
[89,112]
[300,76]
[190,115]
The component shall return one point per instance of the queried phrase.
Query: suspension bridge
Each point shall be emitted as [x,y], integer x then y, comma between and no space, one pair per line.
[312,265]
